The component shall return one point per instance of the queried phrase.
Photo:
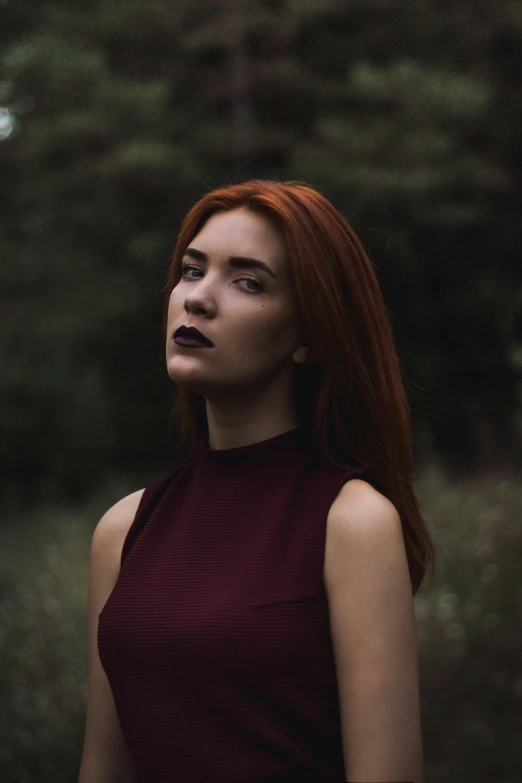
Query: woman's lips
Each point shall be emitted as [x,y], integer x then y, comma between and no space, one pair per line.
[190,342]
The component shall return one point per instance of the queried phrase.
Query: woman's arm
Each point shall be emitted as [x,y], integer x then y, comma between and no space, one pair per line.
[374,637]
[105,758]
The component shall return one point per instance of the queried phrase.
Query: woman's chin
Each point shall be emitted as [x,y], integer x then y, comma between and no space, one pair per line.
[185,378]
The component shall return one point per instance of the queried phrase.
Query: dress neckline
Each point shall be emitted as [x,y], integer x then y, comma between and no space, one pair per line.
[285,441]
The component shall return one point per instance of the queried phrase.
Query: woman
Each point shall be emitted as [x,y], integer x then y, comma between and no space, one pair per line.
[251,615]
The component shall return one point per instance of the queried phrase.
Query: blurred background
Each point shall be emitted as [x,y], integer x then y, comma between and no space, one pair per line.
[115,117]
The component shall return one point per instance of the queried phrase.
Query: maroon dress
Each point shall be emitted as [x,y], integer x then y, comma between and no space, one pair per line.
[216,638]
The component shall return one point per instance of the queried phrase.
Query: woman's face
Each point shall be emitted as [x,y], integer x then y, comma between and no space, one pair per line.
[251,322]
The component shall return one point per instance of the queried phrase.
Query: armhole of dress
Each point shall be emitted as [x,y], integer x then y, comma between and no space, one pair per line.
[336,482]
[135,525]
[149,500]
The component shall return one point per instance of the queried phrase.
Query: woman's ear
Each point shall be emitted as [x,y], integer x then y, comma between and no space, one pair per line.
[304,355]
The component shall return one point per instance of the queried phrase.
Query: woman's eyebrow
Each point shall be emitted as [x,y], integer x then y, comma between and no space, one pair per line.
[242,262]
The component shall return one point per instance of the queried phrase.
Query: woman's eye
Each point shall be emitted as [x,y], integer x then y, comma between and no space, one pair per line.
[246,278]
[186,267]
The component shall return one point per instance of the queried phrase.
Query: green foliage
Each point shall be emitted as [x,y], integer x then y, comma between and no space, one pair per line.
[117,116]
[469,625]
[468,620]
[44,567]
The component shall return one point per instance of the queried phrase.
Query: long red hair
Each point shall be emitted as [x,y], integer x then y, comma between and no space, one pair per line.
[352,401]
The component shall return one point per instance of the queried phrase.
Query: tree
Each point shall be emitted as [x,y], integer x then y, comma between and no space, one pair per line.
[121,114]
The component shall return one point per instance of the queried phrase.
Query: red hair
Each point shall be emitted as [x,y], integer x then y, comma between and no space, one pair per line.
[352,402]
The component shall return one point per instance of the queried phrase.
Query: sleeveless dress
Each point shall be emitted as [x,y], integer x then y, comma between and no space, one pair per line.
[215,639]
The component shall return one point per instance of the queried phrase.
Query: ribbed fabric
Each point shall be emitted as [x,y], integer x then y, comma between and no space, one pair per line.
[215,638]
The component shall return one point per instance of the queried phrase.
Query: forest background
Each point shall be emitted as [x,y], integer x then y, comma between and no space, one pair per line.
[115,117]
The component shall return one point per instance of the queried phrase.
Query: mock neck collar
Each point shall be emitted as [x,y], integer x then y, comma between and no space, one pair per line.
[284,443]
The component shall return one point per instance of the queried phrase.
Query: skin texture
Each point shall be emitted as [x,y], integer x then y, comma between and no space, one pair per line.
[374,637]
[105,757]
[247,377]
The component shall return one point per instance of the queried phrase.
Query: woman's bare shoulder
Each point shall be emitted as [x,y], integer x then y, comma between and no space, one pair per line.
[115,523]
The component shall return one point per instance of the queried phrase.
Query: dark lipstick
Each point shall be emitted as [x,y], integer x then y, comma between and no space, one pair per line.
[192,337]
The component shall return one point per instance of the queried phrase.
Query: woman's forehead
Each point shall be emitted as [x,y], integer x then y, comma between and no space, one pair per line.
[241,232]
